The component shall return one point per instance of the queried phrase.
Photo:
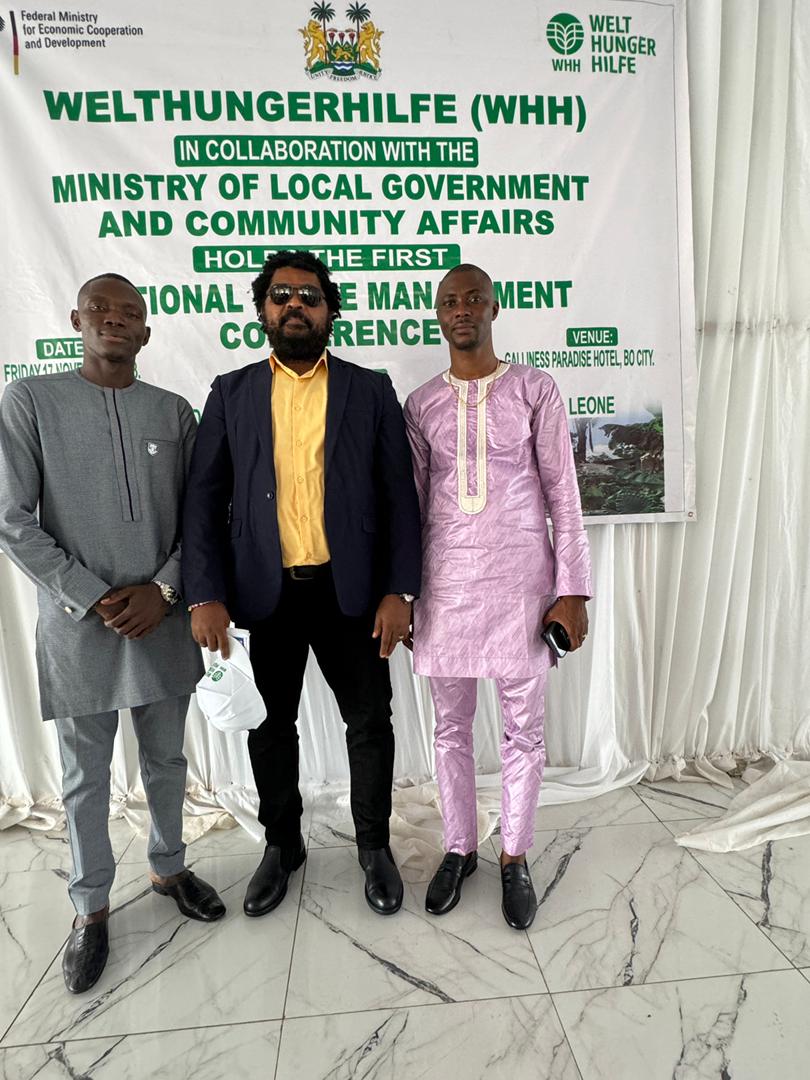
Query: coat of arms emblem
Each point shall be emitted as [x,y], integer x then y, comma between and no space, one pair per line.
[341,54]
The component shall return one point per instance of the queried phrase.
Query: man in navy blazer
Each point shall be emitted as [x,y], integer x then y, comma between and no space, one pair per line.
[302,524]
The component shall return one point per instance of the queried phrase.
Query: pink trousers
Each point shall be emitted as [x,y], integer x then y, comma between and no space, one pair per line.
[523,755]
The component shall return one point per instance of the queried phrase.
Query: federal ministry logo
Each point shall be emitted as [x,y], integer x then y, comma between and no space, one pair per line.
[565,34]
[15,42]
[341,54]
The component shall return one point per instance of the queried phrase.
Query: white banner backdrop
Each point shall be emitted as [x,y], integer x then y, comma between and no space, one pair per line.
[682,662]
[180,146]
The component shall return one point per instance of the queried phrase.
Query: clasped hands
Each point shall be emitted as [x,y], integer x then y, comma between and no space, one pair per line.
[133,611]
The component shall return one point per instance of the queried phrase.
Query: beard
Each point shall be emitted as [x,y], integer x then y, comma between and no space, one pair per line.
[298,345]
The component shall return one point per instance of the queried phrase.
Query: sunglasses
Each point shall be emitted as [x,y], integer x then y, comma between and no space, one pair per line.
[309,295]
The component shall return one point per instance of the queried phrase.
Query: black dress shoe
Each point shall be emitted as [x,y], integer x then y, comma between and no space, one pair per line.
[519,902]
[85,956]
[383,884]
[195,897]
[268,886]
[444,890]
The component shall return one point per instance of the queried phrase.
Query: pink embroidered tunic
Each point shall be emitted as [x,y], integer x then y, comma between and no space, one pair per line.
[492,457]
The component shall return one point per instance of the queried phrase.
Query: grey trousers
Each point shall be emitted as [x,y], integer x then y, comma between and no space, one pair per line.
[86,748]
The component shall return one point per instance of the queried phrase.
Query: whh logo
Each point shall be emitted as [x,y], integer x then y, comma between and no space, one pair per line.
[341,54]
[565,34]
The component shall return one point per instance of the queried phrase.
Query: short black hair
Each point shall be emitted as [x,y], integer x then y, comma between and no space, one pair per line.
[466,267]
[115,277]
[299,260]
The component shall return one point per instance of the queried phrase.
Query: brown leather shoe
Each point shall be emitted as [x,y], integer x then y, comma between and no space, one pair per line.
[195,897]
[86,952]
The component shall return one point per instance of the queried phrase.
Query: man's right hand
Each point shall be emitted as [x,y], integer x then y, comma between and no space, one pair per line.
[209,627]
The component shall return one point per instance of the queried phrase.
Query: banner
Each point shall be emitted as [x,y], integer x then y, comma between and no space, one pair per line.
[180,144]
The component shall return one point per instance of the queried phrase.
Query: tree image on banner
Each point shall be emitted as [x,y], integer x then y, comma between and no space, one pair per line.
[620,466]
[342,54]
[565,33]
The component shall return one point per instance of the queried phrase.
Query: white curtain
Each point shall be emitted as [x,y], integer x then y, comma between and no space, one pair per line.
[697,650]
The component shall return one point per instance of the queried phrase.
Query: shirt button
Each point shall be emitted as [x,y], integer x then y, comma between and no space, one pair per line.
[300,479]
[298,442]
[298,408]
[304,517]
[69,610]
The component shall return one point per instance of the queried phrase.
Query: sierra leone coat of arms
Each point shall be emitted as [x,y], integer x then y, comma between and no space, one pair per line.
[341,54]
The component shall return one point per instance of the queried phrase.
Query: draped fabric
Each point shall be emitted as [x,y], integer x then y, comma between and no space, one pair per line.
[697,650]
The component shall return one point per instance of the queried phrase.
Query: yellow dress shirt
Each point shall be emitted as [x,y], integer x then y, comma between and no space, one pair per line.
[298,408]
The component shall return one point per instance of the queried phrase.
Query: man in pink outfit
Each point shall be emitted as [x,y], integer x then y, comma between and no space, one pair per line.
[492,455]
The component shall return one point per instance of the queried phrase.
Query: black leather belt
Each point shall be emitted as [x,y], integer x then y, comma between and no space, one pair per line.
[306,573]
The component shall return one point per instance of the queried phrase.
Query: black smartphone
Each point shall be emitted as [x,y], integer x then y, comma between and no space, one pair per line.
[556,637]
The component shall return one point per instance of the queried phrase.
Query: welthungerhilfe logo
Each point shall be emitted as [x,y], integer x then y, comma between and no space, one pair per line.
[565,34]
[341,54]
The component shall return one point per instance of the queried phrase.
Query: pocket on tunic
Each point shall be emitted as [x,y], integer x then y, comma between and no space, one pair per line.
[158,465]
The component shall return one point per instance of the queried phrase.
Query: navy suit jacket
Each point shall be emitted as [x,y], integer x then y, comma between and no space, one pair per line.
[231,549]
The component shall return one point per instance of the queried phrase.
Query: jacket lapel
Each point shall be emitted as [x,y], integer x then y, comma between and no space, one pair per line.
[340,377]
[260,384]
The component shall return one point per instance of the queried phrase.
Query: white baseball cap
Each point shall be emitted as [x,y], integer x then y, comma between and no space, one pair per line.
[227,694]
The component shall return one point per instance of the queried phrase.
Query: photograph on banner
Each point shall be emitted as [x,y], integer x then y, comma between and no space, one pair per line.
[549,146]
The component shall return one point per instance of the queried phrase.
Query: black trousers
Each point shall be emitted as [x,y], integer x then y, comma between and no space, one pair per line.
[308,615]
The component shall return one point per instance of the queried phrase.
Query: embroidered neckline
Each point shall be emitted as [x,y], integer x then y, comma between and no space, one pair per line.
[472,504]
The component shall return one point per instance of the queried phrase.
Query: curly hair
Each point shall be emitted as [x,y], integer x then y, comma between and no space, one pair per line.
[299,260]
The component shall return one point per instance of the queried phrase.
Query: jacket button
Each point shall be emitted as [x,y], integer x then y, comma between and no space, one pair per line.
[271,494]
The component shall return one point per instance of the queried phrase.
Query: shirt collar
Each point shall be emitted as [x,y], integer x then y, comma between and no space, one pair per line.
[322,359]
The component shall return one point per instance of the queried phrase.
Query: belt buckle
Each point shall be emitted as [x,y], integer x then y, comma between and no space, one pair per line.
[297,576]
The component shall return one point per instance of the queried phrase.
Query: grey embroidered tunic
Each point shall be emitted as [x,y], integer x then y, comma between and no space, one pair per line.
[91,491]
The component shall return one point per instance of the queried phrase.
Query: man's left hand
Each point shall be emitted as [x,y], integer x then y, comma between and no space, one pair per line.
[569,611]
[144,610]
[392,624]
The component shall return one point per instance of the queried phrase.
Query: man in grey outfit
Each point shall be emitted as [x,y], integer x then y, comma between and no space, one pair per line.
[93,466]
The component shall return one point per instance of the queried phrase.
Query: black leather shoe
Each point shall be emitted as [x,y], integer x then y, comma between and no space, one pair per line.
[268,886]
[383,884]
[195,897]
[519,902]
[85,956]
[444,890]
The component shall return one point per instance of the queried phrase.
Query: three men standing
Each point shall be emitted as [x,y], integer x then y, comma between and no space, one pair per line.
[302,525]
[92,470]
[491,454]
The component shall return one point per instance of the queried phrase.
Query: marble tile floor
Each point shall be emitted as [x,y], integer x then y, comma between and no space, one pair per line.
[646,961]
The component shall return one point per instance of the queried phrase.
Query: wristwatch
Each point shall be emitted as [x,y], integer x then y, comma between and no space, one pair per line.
[406,597]
[168,592]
